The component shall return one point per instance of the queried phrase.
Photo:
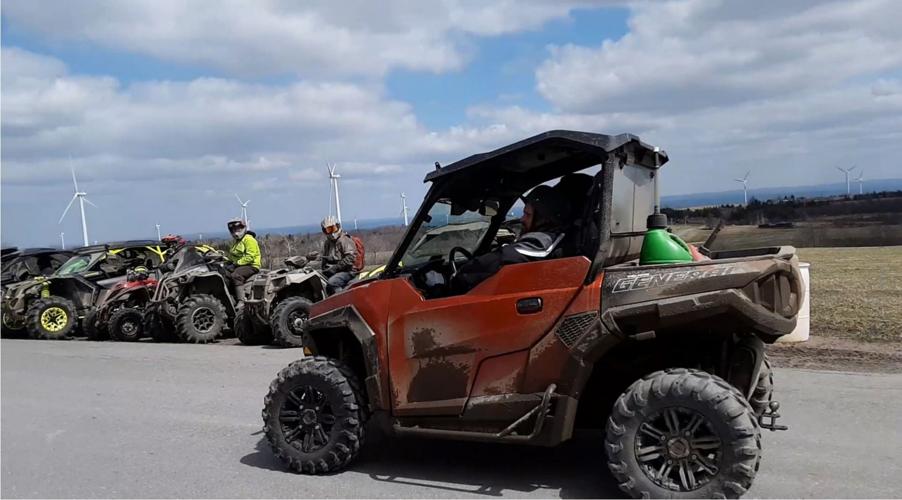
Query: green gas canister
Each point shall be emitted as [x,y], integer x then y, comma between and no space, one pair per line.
[661,247]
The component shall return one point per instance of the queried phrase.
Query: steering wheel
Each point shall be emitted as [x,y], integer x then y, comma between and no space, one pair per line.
[463,251]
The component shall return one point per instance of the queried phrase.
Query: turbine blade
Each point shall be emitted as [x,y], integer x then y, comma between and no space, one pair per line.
[245,203]
[238,198]
[746,175]
[67,209]
[89,202]
[74,180]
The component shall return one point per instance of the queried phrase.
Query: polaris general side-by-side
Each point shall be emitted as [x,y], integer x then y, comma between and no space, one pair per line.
[666,359]
[50,307]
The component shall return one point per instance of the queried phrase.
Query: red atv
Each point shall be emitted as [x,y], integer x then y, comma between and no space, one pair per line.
[666,359]
[120,313]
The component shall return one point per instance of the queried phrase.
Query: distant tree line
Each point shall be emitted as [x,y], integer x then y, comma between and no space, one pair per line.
[790,208]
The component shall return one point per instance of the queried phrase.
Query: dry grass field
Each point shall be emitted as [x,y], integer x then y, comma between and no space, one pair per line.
[856,293]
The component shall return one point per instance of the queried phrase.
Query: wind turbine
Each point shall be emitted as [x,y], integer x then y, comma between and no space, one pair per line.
[63,241]
[404,208]
[333,181]
[847,171]
[860,181]
[745,187]
[243,208]
[81,196]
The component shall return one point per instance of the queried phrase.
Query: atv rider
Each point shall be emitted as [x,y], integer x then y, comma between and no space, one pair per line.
[544,217]
[244,254]
[339,255]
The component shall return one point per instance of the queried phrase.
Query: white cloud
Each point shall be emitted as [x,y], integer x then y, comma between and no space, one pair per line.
[311,39]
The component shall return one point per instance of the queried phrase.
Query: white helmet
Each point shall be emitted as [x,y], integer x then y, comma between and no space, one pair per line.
[331,227]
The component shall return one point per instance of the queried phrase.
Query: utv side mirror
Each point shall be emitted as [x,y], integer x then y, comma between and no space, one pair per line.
[489,208]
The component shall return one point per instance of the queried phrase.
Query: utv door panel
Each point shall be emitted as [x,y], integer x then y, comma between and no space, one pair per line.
[436,346]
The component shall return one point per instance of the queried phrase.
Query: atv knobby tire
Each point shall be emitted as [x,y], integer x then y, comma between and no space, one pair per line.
[52,318]
[764,389]
[201,319]
[249,331]
[159,328]
[127,325]
[311,416]
[92,328]
[683,433]
[288,321]
[8,330]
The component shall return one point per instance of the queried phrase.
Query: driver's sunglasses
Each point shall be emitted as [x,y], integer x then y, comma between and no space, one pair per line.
[330,229]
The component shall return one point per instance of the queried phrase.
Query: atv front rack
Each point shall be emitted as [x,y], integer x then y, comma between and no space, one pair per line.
[540,411]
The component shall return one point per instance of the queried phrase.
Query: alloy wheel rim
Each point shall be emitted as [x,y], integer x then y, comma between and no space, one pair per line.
[678,449]
[296,321]
[306,419]
[203,319]
[54,319]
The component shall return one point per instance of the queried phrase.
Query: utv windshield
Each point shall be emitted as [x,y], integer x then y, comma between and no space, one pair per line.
[187,258]
[75,265]
[440,231]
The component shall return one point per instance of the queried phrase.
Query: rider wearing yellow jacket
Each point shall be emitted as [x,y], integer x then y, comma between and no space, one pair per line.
[244,254]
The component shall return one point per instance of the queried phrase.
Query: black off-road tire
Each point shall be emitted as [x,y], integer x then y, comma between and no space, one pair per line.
[284,331]
[197,310]
[249,331]
[127,325]
[764,389]
[309,392]
[725,438]
[11,332]
[92,328]
[57,307]
[159,328]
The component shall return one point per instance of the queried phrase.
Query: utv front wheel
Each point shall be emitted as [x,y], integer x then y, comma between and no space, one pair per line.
[127,325]
[311,416]
[201,319]
[682,433]
[52,318]
[288,321]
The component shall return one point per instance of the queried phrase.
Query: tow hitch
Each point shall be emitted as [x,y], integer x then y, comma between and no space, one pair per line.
[768,419]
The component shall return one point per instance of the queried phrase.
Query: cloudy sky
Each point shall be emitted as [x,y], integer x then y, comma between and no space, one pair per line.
[166,108]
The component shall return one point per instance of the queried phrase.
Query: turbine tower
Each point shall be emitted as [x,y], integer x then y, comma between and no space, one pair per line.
[860,181]
[745,187]
[333,183]
[82,198]
[63,241]
[404,208]
[159,238]
[243,208]
[847,171]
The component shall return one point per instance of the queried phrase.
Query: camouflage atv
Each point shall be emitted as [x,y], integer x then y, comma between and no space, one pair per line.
[278,304]
[195,300]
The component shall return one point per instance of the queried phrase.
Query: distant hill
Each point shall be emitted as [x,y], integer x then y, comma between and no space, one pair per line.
[764,194]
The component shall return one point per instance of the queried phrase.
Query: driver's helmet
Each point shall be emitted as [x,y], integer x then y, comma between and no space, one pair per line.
[331,227]
[237,228]
[173,241]
[551,209]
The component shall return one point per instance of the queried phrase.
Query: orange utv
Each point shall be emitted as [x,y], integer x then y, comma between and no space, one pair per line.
[667,360]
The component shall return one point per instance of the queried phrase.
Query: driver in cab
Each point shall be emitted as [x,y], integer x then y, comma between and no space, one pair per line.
[543,221]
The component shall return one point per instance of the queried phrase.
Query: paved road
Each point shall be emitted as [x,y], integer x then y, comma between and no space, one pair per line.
[85,419]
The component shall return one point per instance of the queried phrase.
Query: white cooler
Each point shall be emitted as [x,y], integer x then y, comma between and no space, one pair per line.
[803,324]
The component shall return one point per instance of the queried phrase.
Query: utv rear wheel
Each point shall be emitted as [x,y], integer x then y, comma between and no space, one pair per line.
[53,318]
[764,389]
[127,325]
[249,331]
[311,416]
[288,321]
[201,319]
[682,433]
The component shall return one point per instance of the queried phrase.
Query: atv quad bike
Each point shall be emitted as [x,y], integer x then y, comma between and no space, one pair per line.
[120,314]
[51,307]
[278,303]
[195,300]
[666,360]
